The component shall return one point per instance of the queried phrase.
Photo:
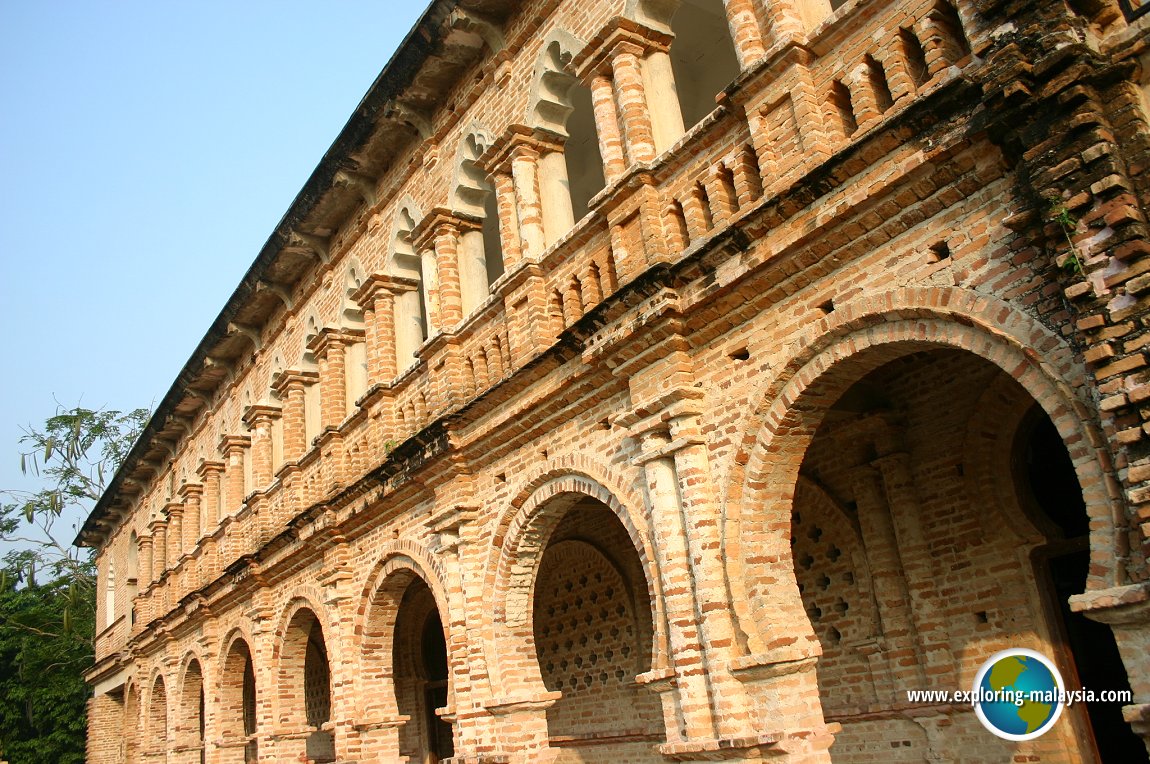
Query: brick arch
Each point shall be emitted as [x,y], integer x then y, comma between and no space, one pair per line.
[517,546]
[187,703]
[1002,407]
[229,710]
[157,733]
[304,599]
[401,564]
[836,351]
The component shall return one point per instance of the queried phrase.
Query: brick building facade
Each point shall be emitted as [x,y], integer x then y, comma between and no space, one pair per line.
[665,380]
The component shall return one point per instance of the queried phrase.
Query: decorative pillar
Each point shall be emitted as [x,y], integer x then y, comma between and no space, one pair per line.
[441,233]
[233,448]
[902,651]
[146,570]
[212,474]
[291,386]
[607,126]
[745,32]
[259,420]
[192,494]
[159,528]
[918,565]
[632,98]
[377,297]
[328,348]
[669,537]
[508,219]
[175,533]
[533,160]
[525,172]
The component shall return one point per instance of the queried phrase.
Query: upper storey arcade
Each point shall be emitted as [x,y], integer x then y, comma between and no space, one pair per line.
[513,166]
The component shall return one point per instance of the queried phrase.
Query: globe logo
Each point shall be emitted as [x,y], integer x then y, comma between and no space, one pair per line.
[1018,694]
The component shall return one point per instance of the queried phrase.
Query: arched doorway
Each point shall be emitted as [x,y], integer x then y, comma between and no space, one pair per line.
[420,664]
[192,728]
[237,706]
[157,735]
[593,635]
[305,672]
[937,519]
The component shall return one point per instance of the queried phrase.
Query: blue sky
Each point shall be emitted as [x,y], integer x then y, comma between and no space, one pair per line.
[147,150]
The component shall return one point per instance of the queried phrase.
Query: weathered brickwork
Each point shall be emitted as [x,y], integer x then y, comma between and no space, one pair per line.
[680,380]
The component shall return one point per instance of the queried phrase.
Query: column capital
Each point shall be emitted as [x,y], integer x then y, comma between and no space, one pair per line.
[285,381]
[378,284]
[620,35]
[516,142]
[330,336]
[441,221]
[159,525]
[144,539]
[191,490]
[260,412]
[232,443]
[173,509]
[208,468]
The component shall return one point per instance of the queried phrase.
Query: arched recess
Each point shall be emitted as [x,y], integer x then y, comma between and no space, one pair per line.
[304,672]
[472,196]
[191,725]
[237,707]
[132,721]
[156,741]
[841,349]
[411,306]
[564,533]
[562,105]
[405,660]
[351,322]
[701,63]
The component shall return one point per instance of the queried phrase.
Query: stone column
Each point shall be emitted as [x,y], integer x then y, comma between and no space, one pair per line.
[902,651]
[329,351]
[665,113]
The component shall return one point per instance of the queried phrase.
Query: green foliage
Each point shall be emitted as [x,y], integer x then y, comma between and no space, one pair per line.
[1059,213]
[42,694]
[48,587]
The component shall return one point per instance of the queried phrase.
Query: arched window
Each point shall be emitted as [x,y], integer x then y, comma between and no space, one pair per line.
[237,709]
[410,306]
[192,716]
[480,251]
[157,735]
[305,672]
[562,105]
